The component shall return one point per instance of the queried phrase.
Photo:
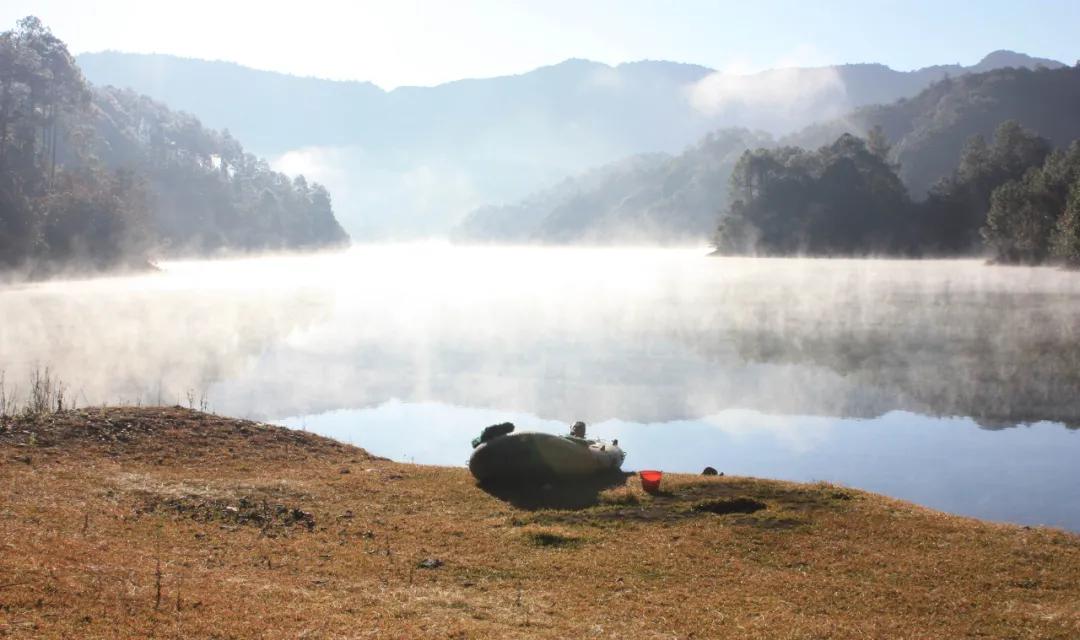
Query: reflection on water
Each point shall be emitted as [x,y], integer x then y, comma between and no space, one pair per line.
[641,335]
[1026,475]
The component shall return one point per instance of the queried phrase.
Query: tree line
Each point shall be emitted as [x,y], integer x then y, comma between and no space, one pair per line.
[1014,197]
[103,178]
[209,195]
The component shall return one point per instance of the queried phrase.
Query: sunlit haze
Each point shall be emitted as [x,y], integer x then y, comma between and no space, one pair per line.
[394,43]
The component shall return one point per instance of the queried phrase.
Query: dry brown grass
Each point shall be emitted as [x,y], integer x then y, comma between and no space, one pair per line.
[140,523]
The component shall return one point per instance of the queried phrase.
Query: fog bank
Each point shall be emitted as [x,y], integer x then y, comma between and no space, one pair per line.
[576,333]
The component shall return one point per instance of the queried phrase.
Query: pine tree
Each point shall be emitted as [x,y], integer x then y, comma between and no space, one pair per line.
[1066,240]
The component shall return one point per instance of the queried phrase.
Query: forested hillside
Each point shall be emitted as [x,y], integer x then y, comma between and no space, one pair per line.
[208,193]
[102,178]
[1016,194]
[928,136]
[929,131]
[648,198]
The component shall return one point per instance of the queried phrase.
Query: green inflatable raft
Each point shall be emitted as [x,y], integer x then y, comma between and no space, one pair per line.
[499,455]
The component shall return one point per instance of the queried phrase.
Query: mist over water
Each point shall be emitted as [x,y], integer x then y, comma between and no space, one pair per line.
[565,333]
[552,335]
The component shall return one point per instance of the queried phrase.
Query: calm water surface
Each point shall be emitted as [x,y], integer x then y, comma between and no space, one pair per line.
[949,383]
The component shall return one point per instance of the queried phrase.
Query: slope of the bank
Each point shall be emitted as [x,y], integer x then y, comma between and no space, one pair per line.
[168,522]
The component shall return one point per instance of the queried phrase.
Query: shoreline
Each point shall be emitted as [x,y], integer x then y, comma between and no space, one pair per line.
[131,522]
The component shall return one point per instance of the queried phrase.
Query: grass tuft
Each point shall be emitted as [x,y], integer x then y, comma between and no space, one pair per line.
[45,394]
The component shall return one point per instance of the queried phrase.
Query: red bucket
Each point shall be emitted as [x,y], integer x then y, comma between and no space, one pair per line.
[650,480]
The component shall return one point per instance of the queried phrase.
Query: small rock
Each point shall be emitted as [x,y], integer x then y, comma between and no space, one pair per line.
[709,471]
[344,470]
[430,563]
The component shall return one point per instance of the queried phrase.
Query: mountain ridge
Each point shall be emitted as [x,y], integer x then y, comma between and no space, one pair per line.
[680,197]
[995,59]
[414,161]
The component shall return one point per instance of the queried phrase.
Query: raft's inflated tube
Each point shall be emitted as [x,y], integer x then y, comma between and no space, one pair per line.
[539,456]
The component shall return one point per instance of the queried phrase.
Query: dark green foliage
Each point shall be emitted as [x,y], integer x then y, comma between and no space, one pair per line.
[1019,223]
[1030,219]
[99,177]
[843,199]
[1015,195]
[1066,238]
[957,205]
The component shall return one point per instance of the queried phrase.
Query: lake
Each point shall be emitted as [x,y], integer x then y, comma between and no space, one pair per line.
[950,383]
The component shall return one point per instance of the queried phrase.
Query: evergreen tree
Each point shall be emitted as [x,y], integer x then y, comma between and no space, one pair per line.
[1066,238]
[1019,223]
[957,206]
[1029,219]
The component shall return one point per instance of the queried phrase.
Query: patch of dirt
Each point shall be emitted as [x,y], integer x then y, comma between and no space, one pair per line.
[249,511]
[729,505]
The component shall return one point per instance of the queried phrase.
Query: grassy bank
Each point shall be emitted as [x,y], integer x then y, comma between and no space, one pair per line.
[166,522]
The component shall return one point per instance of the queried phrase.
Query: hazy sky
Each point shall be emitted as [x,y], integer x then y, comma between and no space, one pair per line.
[406,42]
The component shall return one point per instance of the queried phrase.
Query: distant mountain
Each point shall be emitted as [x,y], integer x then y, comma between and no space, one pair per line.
[668,199]
[1002,59]
[415,160]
